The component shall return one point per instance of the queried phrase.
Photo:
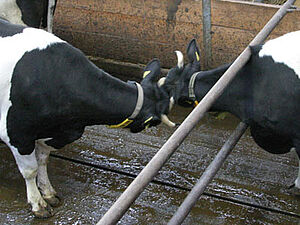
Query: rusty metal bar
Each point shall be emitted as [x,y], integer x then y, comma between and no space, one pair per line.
[51,4]
[206,24]
[207,176]
[119,208]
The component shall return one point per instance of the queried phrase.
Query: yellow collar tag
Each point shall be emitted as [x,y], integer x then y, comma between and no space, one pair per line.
[123,124]
[196,103]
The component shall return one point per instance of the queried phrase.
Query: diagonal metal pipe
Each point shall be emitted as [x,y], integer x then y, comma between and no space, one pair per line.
[207,176]
[206,23]
[119,208]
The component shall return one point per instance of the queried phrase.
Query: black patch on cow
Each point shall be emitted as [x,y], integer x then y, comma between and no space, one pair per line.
[56,92]
[271,141]
[273,90]
[255,49]
[9,29]
[34,12]
[41,105]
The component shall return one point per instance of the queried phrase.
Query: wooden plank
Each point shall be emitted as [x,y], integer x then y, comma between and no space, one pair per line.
[136,51]
[128,27]
[137,31]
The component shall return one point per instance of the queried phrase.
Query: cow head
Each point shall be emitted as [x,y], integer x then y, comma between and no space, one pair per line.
[158,98]
[182,78]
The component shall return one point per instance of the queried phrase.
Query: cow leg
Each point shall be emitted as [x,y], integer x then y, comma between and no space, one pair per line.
[295,187]
[42,154]
[28,167]
[297,181]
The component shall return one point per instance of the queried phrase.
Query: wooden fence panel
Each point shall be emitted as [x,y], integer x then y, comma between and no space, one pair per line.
[136,31]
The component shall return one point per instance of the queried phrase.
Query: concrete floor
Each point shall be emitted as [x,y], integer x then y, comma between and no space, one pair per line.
[90,174]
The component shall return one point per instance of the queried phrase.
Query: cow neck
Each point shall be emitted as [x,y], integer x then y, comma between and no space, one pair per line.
[234,99]
[201,82]
[137,109]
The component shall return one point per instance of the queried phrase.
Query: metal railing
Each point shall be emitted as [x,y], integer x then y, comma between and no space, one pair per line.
[208,175]
[119,208]
[206,23]
[51,5]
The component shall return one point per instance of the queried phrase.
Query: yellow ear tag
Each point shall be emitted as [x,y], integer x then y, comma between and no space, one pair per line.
[146,73]
[197,56]
[196,103]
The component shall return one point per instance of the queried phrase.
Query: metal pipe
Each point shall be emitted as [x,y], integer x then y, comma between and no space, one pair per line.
[51,5]
[207,176]
[118,209]
[206,24]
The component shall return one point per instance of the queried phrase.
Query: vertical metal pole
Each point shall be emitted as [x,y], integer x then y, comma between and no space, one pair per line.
[206,24]
[51,4]
[207,176]
[137,186]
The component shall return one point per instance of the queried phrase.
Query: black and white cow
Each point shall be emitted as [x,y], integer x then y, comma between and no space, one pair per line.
[49,92]
[265,94]
[31,13]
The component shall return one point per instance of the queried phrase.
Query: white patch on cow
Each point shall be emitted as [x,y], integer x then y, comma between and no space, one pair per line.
[284,49]
[12,50]
[10,11]
[28,167]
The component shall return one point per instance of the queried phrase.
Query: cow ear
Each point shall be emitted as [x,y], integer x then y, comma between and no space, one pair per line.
[193,52]
[151,71]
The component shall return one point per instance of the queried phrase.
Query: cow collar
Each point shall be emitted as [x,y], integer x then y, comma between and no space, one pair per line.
[191,88]
[137,109]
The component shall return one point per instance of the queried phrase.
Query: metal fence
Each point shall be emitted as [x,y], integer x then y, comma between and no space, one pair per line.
[119,208]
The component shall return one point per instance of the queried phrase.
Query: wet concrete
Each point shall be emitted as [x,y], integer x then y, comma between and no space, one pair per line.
[90,174]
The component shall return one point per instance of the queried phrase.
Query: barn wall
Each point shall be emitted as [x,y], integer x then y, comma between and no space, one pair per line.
[136,31]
